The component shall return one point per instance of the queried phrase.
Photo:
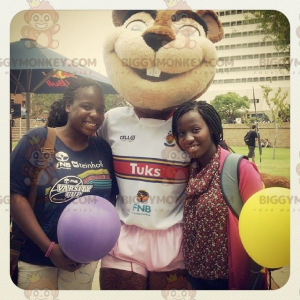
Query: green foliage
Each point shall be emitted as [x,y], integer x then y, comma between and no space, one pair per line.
[114,100]
[40,104]
[230,105]
[276,26]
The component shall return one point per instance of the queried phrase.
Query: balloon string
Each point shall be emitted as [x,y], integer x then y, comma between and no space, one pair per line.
[256,281]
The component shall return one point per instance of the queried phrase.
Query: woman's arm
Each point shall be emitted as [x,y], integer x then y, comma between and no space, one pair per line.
[24,217]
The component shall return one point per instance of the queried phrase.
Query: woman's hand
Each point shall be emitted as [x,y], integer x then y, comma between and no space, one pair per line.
[61,261]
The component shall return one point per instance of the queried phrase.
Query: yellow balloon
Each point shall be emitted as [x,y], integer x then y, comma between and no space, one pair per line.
[264,227]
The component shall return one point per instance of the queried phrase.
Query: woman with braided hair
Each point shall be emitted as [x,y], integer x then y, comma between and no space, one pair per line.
[213,260]
[80,159]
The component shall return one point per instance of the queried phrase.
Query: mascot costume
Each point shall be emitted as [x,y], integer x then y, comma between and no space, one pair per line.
[155,60]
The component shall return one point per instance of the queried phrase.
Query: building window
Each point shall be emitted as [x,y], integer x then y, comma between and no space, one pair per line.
[255,79]
[256,67]
[286,77]
[226,24]
[263,44]
[250,68]
[249,79]
[233,12]
[269,54]
[227,35]
[239,23]
[232,46]
[238,80]
[262,55]
[244,45]
[221,47]
[227,12]
[250,33]
[274,78]
[244,68]
[238,46]
[268,67]
[233,23]
[245,33]
[268,78]
[280,77]
[227,47]
[275,54]
[256,56]
[269,43]
[221,13]
[238,11]
[243,79]
[262,79]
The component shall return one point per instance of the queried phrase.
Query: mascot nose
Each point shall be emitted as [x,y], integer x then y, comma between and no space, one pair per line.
[156,41]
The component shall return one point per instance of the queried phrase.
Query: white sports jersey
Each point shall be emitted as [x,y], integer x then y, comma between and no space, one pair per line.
[151,170]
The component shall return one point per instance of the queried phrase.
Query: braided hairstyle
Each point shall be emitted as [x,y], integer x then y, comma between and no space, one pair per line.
[58,116]
[209,115]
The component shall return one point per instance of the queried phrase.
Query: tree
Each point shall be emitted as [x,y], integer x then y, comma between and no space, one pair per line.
[279,109]
[230,105]
[276,26]
[40,104]
[114,100]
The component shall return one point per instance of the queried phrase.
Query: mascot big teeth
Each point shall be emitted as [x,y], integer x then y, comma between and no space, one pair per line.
[156,60]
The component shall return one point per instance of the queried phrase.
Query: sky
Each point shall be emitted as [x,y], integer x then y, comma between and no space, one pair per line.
[80,36]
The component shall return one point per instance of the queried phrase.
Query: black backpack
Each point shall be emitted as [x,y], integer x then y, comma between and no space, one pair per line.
[246,138]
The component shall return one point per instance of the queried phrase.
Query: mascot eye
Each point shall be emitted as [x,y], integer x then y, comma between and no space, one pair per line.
[180,17]
[35,18]
[136,26]
[189,31]
[46,18]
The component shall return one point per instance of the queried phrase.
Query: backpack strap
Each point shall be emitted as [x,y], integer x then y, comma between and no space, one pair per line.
[18,238]
[229,180]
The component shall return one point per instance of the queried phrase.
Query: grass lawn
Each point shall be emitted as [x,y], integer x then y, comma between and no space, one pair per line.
[14,144]
[280,166]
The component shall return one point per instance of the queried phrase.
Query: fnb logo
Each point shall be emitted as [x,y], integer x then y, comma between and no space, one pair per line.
[141,208]
[129,138]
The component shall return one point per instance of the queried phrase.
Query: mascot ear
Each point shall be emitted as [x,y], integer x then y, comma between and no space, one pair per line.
[215,29]
[117,17]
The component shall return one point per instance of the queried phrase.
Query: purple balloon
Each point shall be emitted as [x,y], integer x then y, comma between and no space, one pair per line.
[88,229]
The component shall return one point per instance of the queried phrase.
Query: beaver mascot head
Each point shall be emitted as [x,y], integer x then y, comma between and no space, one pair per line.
[157,60]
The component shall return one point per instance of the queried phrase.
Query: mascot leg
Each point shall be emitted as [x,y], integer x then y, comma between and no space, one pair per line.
[175,279]
[116,279]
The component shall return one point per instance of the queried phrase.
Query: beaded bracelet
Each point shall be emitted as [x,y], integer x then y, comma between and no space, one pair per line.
[47,254]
